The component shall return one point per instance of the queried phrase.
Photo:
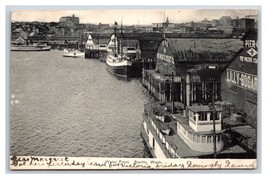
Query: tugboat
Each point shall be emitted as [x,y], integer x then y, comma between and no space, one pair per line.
[118,63]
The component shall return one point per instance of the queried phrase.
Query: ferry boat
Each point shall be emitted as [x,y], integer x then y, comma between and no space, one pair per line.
[187,133]
[72,53]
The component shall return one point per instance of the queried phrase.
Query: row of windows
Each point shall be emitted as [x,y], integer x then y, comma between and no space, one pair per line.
[163,140]
[197,138]
[203,116]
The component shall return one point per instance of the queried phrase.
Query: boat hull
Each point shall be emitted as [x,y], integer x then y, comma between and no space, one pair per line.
[145,138]
[73,55]
[118,66]
[121,71]
[30,48]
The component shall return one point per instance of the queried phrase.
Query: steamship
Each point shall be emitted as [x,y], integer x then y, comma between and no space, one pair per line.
[117,62]
[173,131]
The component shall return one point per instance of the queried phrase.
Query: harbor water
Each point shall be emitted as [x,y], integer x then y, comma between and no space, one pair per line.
[73,107]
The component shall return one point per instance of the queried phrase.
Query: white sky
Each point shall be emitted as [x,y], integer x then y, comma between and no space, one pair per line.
[130,16]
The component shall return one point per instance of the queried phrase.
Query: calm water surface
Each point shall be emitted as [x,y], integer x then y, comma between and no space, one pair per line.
[72,107]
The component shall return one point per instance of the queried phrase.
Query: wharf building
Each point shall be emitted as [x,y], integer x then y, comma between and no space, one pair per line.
[101,43]
[188,70]
[140,46]
[186,122]
[239,81]
[96,45]
[148,46]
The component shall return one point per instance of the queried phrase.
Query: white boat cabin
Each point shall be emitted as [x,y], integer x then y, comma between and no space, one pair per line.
[197,132]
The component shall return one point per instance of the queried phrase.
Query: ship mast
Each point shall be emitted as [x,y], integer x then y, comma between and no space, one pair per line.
[115,39]
[121,37]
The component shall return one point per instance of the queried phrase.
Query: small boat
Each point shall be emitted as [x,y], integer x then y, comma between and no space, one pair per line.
[72,53]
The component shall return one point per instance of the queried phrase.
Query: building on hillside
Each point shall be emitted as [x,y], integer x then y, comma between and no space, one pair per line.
[163,26]
[225,21]
[69,19]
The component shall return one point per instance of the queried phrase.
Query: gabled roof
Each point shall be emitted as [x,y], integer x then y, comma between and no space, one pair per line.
[128,35]
[148,54]
[205,56]
[153,35]
[101,38]
[149,45]
[130,42]
[150,41]
[200,45]
[233,58]
[204,50]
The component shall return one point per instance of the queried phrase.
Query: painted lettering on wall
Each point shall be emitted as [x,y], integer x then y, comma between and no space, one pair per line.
[252,51]
[243,80]
[166,58]
[248,59]
[251,44]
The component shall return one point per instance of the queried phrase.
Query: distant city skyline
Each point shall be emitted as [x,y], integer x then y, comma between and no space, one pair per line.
[131,16]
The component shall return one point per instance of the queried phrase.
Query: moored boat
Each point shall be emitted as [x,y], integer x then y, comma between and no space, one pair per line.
[192,132]
[30,48]
[118,65]
[72,53]
[21,44]
[117,62]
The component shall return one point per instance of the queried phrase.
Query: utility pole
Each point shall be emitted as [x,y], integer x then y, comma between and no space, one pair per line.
[214,130]
[115,38]
[172,93]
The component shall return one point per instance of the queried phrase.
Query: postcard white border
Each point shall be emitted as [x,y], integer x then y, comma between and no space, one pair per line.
[78,3]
